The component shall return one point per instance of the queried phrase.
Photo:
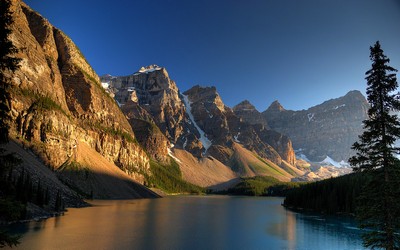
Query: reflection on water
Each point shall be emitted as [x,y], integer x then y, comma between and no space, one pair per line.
[189,222]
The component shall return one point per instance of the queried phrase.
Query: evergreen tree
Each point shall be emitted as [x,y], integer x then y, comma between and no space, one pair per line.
[58,203]
[8,65]
[379,204]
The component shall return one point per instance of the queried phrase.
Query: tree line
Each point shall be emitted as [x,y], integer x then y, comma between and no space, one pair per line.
[331,196]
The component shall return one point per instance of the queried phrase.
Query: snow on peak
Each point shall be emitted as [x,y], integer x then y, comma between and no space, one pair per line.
[344,164]
[204,140]
[301,156]
[329,161]
[105,85]
[149,69]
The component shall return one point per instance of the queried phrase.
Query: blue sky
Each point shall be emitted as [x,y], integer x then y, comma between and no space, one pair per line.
[298,52]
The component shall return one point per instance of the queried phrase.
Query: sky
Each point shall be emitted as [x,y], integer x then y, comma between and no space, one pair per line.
[298,52]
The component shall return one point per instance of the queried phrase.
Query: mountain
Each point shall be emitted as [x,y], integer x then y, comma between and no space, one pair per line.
[199,123]
[150,95]
[223,127]
[328,129]
[248,113]
[113,136]
[62,114]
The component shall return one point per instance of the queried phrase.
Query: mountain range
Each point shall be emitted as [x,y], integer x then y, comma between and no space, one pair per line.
[102,136]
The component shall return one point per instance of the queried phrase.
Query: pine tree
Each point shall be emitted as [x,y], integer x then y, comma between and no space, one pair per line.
[58,203]
[8,65]
[379,203]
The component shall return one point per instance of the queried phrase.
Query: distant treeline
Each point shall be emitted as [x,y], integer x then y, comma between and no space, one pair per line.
[331,196]
[260,186]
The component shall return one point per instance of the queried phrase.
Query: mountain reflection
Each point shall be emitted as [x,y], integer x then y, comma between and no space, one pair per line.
[188,222]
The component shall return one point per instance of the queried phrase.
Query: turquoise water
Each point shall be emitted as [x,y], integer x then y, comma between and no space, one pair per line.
[190,222]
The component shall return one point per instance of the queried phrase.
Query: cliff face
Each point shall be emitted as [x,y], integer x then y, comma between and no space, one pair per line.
[196,121]
[280,142]
[146,131]
[248,113]
[58,102]
[223,127]
[328,129]
[154,91]
[150,95]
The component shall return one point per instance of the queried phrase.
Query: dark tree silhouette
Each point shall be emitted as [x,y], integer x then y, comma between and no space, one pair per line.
[8,65]
[379,203]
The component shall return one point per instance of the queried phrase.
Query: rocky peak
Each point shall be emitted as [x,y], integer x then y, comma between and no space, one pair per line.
[275,107]
[354,94]
[149,69]
[224,127]
[206,95]
[248,113]
[327,129]
[208,113]
[355,97]
[156,94]
[245,105]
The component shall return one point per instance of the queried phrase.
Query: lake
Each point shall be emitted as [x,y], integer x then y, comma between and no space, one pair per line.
[190,222]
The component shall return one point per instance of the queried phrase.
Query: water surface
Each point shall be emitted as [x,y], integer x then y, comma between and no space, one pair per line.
[190,222]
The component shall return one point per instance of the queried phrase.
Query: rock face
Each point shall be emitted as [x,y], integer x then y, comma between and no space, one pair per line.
[157,97]
[196,121]
[155,92]
[211,115]
[328,129]
[223,127]
[146,131]
[250,114]
[58,102]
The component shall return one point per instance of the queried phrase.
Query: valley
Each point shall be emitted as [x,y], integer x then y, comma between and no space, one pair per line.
[104,137]
[208,125]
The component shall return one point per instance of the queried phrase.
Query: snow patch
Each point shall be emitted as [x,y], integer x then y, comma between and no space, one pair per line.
[310,116]
[302,157]
[209,115]
[149,69]
[119,104]
[340,106]
[185,143]
[172,155]
[329,161]
[344,164]
[105,85]
[204,140]
[236,137]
